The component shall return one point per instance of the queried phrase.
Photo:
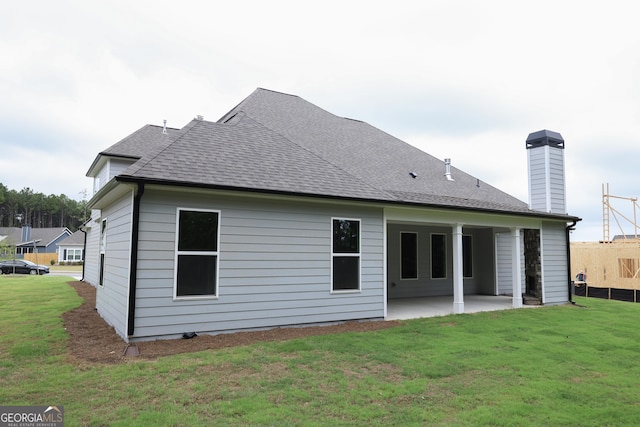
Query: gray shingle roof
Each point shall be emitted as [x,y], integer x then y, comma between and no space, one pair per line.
[142,144]
[76,239]
[277,142]
[10,234]
[43,236]
[246,154]
[368,153]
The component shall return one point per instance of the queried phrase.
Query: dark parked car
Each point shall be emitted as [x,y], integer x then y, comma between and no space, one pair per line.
[22,266]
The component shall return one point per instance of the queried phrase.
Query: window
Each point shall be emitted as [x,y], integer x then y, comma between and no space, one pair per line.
[103,248]
[197,253]
[438,256]
[345,254]
[629,268]
[72,255]
[408,255]
[467,256]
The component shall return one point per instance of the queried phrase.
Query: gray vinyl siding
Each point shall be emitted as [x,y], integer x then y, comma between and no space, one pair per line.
[424,286]
[101,178]
[554,263]
[538,179]
[483,280]
[547,179]
[275,266]
[504,267]
[117,166]
[523,272]
[556,182]
[504,278]
[92,249]
[112,167]
[112,298]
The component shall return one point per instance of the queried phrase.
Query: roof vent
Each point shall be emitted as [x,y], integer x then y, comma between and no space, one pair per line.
[164,127]
[199,117]
[413,175]
[447,169]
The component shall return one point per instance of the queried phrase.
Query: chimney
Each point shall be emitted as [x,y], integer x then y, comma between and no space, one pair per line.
[25,234]
[545,161]
[447,169]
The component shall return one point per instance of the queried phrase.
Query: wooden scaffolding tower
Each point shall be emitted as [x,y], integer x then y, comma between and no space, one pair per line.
[609,211]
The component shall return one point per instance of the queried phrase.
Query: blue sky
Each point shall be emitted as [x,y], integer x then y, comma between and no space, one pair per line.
[459,79]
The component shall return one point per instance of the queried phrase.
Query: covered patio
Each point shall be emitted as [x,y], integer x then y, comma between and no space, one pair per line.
[413,308]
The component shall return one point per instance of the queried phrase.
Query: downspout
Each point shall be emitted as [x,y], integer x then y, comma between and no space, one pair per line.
[133,268]
[570,282]
[84,249]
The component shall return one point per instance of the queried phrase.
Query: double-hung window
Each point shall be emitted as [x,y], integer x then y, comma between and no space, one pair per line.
[345,255]
[197,253]
[72,255]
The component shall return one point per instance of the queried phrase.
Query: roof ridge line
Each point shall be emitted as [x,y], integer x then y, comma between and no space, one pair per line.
[246,115]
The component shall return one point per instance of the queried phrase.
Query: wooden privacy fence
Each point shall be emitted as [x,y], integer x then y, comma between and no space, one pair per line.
[42,258]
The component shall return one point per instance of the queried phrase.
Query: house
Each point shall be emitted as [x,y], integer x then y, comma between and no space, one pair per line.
[611,264]
[29,240]
[71,249]
[281,213]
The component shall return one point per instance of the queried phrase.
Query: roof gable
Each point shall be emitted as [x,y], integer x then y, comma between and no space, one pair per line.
[141,144]
[76,239]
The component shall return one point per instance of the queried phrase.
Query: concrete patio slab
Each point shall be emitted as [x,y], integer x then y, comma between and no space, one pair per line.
[413,308]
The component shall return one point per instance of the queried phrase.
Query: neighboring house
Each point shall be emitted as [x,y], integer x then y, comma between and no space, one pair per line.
[625,237]
[71,249]
[282,213]
[29,240]
[613,265]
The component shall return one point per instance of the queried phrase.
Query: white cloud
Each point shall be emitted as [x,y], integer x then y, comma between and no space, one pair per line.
[459,79]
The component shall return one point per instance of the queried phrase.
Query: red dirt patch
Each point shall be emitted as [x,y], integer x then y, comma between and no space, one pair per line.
[93,340]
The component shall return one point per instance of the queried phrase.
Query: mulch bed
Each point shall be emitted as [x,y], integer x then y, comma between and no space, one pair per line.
[93,340]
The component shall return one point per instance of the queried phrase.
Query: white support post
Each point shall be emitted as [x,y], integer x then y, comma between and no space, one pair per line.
[458,288]
[516,269]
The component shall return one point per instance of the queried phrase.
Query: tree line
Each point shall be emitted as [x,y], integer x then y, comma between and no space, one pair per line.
[26,207]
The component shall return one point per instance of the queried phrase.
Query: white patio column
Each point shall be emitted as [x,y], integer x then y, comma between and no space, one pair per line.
[516,269]
[458,288]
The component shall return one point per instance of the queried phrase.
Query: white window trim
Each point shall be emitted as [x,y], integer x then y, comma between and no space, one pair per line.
[102,250]
[177,253]
[341,254]
[417,256]
[431,256]
[75,252]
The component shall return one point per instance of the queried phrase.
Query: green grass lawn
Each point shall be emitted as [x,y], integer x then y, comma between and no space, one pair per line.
[56,267]
[562,365]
